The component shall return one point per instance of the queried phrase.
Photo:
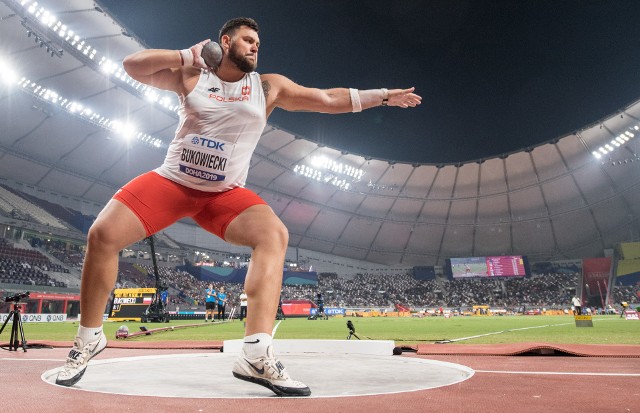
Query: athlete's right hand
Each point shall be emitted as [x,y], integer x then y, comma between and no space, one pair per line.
[192,56]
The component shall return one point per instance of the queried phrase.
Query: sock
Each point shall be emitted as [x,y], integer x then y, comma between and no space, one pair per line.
[89,334]
[256,345]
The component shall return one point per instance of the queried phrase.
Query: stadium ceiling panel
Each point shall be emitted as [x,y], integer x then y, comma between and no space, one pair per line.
[419,184]
[21,169]
[390,235]
[61,182]
[467,181]
[548,162]
[73,122]
[424,241]
[489,239]
[537,237]
[316,194]
[10,105]
[493,210]
[406,210]
[456,238]
[581,224]
[492,177]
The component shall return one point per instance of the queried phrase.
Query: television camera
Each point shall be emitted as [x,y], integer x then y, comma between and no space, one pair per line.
[16,319]
[352,330]
[17,297]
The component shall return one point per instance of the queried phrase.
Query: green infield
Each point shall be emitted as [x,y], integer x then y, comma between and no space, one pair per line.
[405,331]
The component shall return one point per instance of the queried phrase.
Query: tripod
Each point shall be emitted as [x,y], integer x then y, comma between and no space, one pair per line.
[352,330]
[352,333]
[156,312]
[279,312]
[15,318]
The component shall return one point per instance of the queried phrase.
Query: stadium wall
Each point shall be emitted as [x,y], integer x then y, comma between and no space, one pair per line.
[238,275]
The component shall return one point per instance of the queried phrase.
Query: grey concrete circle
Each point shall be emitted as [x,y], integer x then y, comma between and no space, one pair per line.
[208,375]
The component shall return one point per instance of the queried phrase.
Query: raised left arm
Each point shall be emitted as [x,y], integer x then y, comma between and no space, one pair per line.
[286,94]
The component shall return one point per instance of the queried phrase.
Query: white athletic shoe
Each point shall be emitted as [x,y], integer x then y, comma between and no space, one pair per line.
[78,358]
[267,371]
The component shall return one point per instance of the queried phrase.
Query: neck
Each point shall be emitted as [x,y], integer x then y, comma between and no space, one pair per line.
[229,72]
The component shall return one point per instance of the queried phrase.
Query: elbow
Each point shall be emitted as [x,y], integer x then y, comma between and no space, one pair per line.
[134,64]
[129,64]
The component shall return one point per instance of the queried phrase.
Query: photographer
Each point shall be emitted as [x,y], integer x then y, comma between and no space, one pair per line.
[352,330]
[320,304]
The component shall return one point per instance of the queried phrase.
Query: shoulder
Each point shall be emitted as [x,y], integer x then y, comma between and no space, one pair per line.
[275,81]
[272,77]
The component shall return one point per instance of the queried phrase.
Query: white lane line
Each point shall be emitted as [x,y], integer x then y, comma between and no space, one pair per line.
[514,329]
[500,332]
[559,373]
[273,333]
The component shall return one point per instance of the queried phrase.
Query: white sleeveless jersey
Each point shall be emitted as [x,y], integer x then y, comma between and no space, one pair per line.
[220,125]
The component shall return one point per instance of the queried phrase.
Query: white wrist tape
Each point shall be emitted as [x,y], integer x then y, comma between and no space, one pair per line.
[356,105]
[385,96]
[187,57]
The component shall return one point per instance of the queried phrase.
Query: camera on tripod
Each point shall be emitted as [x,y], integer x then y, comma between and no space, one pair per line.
[352,330]
[17,297]
[17,331]
[350,326]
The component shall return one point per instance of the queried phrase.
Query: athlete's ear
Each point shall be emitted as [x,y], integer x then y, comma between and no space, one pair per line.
[225,42]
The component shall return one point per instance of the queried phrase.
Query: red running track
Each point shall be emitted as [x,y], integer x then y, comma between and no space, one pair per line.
[501,384]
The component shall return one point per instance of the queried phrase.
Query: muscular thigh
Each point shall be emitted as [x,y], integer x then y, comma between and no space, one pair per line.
[257,225]
[157,202]
[224,208]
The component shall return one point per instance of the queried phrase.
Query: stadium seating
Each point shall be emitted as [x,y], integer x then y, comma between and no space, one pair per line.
[38,214]
[22,266]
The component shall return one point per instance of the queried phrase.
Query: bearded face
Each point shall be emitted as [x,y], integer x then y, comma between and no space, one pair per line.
[244,62]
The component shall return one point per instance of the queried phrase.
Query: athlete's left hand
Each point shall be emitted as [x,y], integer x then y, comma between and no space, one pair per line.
[404,98]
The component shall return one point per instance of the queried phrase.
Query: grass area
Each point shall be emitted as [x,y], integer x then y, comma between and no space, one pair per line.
[551,329]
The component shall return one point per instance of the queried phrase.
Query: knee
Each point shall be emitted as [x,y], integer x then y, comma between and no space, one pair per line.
[103,237]
[281,236]
[276,237]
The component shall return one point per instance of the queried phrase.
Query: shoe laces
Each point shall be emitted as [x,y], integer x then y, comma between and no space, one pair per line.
[77,355]
[276,366]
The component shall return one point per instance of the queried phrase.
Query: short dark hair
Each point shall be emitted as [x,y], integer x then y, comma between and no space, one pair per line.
[230,27]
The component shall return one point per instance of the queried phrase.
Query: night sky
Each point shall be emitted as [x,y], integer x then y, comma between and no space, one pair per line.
[495,76]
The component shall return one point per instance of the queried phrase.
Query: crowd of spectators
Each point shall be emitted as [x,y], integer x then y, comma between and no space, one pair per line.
[387,290]
[26,267]
[630,294]
[471,291]
[184,290]
[379,290]
[550,290]
[70,258]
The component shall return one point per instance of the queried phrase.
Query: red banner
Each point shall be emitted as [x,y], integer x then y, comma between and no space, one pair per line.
[297,307]
[595,280]
[54,296]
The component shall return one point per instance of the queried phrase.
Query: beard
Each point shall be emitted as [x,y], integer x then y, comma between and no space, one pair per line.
[241,61]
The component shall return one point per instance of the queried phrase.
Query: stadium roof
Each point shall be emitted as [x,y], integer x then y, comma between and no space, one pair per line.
[73,123]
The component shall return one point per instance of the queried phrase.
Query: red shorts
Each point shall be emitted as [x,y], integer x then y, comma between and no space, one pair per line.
[159,202]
